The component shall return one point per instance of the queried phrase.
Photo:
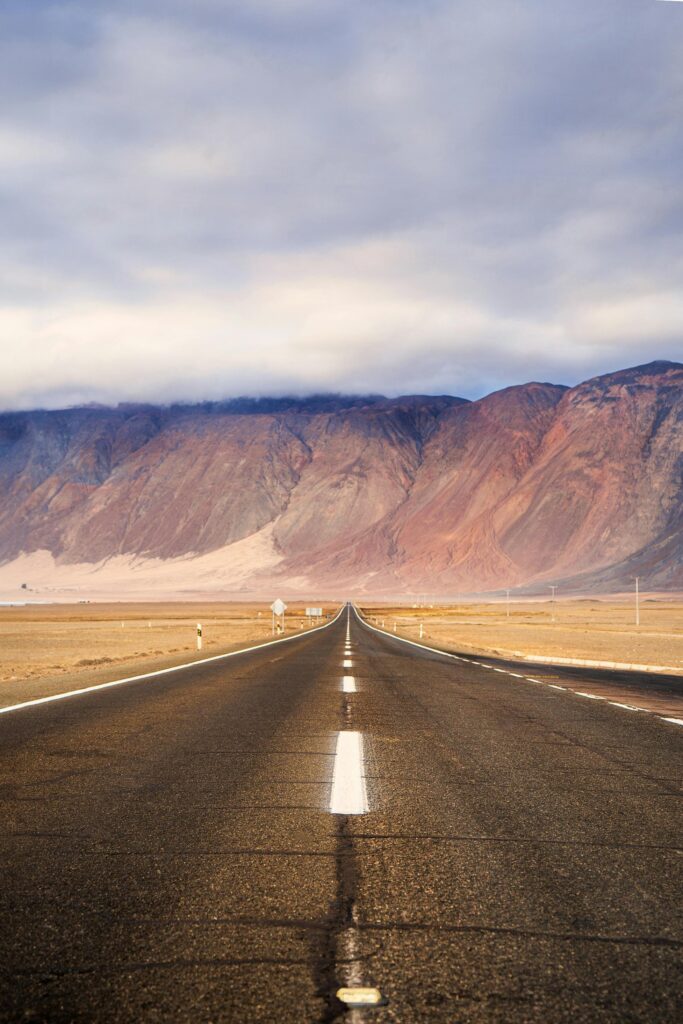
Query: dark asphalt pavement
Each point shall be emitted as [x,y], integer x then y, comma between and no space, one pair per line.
[169,855]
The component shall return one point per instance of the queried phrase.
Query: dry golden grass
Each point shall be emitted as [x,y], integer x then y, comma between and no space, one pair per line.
[588,629]
[40,645]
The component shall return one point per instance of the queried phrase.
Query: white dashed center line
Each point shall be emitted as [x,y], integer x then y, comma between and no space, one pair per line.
[347,663]
[348,684]
[349,795]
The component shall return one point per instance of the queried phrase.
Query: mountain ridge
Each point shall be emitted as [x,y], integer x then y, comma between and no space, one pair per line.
[531,483]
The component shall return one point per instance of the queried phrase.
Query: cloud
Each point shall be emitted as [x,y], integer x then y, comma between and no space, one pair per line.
[203,200]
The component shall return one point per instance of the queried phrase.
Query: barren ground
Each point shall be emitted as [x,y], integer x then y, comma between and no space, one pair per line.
[589,629]
[43,646]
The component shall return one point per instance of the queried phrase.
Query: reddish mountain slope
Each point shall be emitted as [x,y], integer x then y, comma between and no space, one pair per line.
[532,483]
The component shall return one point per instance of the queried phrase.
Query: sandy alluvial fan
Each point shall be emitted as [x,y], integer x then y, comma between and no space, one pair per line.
[533,483]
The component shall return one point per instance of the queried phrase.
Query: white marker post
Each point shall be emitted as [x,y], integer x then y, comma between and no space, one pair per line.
[637,600]
[199,636]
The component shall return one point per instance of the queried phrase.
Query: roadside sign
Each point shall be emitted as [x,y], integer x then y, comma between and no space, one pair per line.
[314,613]
[278,607]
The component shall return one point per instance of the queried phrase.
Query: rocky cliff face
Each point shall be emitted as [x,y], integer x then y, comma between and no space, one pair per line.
[530,484]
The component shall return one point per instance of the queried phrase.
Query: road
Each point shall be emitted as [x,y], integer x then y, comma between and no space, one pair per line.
[203,847]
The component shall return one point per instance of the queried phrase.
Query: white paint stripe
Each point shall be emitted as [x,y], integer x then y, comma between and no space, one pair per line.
[590,696]
[348,684]
[349,795]
[347,663]
[516,675]
[160,672]
[529,679]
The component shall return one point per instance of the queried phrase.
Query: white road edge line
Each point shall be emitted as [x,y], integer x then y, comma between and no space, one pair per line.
[529,679]
[349,795]
[162,671]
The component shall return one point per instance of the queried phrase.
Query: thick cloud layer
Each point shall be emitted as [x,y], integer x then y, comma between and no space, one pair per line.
[207,199]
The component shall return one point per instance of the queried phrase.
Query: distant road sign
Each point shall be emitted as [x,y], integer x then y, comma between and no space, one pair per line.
[278,607]
[314,612]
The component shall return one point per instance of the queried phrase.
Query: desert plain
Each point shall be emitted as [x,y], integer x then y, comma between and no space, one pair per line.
[584,628]
[44,645]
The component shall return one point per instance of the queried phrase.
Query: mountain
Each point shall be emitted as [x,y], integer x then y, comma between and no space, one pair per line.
[581,486]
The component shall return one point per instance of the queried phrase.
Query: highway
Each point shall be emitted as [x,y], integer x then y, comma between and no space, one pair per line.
[238,840]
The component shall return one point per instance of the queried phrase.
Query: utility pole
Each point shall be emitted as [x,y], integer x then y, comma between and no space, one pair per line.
[637,600]
[552,602]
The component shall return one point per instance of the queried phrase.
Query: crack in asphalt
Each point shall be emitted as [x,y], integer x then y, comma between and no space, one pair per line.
[325,949]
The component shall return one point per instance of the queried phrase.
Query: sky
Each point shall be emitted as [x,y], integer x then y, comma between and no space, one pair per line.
[211,198]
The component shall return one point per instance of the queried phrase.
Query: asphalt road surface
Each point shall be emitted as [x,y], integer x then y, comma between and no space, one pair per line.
[235,841]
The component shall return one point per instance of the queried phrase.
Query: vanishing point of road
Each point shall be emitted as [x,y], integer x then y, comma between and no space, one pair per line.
[239,839]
